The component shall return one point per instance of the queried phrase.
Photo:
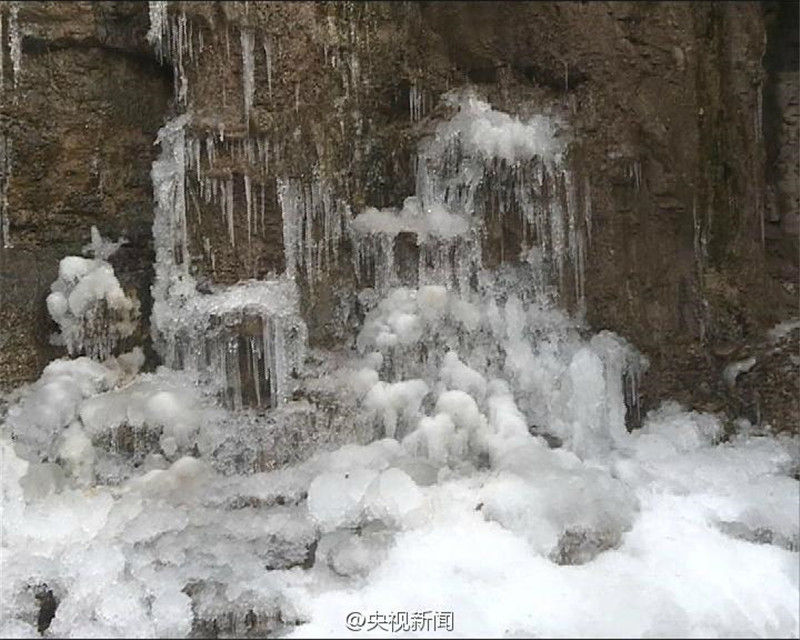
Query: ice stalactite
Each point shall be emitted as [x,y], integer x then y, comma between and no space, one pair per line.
[158,33]
[15,41]
[446,247]
[2,51]
[215,164]
[248,71]
[490,165]
[268,57]
[174,40]
[5,178]
[248,194]
[484,166]
[313,225]
[417,103]
[246,340]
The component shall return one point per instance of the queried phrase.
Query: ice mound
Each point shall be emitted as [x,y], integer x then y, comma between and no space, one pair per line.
[434,220]
[52,403]
[656,581]
[630,530]
[165,404]
[525,365]
[88,304]
[587,514]
[495,134]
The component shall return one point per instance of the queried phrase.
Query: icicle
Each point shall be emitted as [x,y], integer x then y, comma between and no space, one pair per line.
[268,55]
[248,199]
[248,71]
[5,177]
[2,53]
[228,205]
[228,43]
[191,42]
[15,41]
[196,153]
[587,211]
[263,207]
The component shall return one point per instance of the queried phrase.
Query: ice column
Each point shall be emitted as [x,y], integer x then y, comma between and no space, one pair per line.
[246,340]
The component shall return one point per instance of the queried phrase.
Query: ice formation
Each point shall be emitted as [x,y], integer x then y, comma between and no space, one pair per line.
[481,166]
[15,41]
[89,305]
[313,226]
[246,339]
[5,177]
[445,244]
[248,71]
[488,469]
[664,531]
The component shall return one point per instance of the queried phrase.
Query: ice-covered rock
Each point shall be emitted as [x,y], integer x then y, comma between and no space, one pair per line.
[89,305]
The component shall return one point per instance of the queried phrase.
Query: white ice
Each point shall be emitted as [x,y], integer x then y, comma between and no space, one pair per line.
[89,305]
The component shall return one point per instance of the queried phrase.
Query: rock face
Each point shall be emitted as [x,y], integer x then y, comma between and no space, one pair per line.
[683,121]
[82,101]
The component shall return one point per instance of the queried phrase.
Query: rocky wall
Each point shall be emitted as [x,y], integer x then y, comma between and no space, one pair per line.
[671,106]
